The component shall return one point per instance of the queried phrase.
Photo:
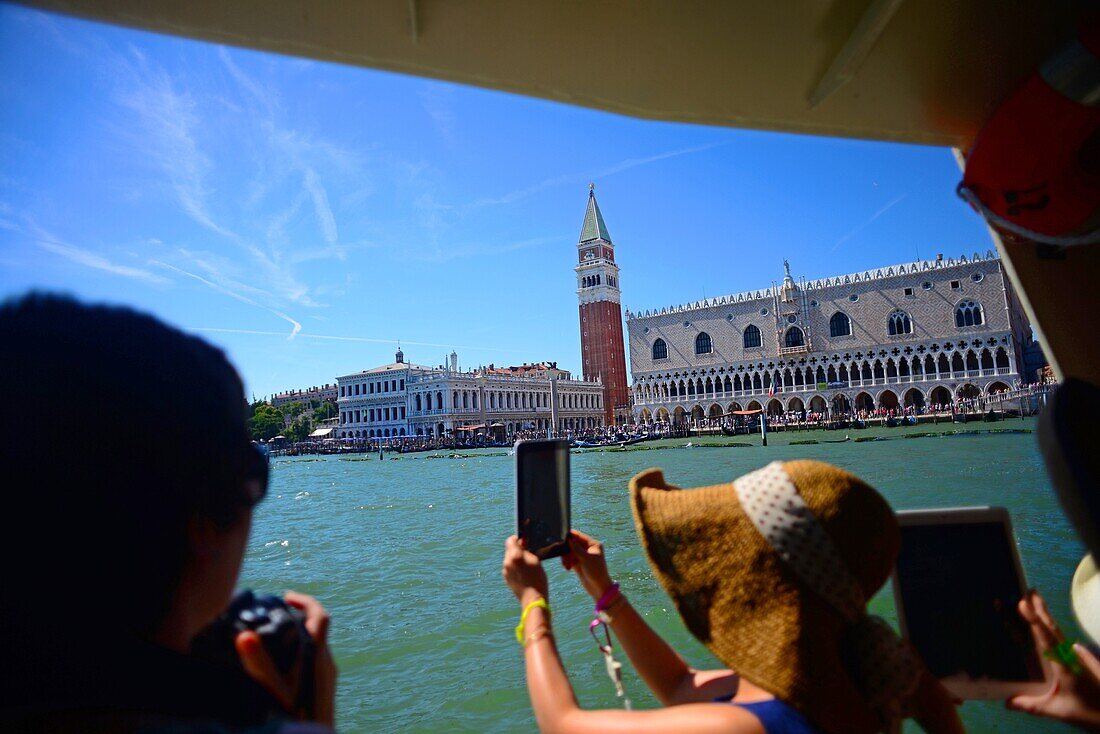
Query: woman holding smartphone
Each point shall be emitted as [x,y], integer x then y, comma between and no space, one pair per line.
[772,574]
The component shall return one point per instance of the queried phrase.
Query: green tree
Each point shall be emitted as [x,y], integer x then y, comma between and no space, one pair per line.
[298,430]
[325,410]
[266,422]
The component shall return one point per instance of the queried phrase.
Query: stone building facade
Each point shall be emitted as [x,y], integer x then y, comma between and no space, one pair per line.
[326,393]
[906,335]
[403,399]
[376,400]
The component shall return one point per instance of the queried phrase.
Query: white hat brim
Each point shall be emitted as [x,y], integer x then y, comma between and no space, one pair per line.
[1085,597]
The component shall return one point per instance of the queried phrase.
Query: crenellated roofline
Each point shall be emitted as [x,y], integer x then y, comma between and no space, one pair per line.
[891,271]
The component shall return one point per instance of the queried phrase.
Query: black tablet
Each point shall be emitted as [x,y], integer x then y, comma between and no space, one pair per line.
[956,584]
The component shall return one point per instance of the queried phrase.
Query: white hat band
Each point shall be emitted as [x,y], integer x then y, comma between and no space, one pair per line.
[773,504]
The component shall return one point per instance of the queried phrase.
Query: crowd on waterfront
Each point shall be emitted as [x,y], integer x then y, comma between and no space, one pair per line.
[810,419]
[684,425]
[657,429]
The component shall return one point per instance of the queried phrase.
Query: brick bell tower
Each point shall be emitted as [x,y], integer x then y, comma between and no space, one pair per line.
[602,345]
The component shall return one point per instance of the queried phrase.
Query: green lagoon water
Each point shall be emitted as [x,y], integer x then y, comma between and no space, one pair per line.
[406,552]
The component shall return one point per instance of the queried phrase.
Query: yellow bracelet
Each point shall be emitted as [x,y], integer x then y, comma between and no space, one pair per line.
[540,602]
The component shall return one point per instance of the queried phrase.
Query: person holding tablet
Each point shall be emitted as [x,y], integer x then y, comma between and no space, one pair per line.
[772,573]
[1067,439]
[1074,693]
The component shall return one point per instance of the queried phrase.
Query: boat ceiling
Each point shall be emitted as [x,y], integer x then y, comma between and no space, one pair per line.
[916,71]
[923,71]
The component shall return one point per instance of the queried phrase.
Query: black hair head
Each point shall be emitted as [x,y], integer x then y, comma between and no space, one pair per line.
[118,431]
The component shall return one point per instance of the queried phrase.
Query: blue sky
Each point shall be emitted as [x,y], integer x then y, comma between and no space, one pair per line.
[306,216]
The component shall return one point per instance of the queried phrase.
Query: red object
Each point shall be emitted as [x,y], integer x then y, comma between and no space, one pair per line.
[603,353]
[1036,163]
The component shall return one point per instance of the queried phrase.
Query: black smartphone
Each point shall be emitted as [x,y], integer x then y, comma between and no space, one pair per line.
[542,496]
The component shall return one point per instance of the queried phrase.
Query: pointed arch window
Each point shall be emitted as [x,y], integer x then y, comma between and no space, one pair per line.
[968,313]
[840,325]
[794,337]
[752,337]
[660,349]
[899,323]
[702,343]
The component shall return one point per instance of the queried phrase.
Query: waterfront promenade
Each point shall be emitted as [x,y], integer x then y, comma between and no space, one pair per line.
[1014,406]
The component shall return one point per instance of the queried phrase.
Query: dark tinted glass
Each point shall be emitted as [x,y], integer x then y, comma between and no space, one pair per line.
[959,587]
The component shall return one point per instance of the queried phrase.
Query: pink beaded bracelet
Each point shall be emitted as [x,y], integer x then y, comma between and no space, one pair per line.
[607,598]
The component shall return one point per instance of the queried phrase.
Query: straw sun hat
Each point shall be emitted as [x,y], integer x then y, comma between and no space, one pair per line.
[772,573]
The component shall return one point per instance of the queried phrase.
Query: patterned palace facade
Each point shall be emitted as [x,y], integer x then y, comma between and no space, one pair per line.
[928,332]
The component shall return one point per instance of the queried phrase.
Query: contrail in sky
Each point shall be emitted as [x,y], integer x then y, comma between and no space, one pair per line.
[295,329]
[873,217]
[571,178]
[369,340]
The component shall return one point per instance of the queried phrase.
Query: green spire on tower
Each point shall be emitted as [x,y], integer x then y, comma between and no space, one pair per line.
[594,227]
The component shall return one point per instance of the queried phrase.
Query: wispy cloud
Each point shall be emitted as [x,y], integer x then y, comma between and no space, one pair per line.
[295,326]
[279,222]
[363,339]
[81,256]
[436,101]
[867,222]
[167,119]
[172,125]
[330,252]
[442,255]
[265,98]
[574,178]
[320,205]
[98,262]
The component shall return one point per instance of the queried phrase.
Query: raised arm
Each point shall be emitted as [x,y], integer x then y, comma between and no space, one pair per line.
[670,678]
[555,705]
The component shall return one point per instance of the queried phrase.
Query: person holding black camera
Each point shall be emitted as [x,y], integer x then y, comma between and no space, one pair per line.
[130,485]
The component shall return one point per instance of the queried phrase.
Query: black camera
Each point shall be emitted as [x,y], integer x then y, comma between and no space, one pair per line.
[282,631]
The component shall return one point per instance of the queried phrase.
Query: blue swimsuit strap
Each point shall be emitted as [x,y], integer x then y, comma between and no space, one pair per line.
[775,716]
